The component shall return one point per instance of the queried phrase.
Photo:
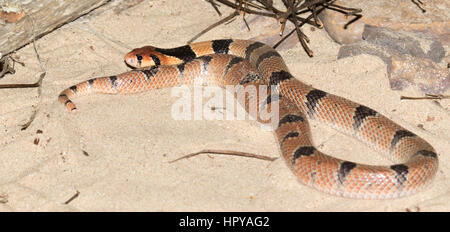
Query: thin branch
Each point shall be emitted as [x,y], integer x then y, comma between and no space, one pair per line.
[419,4]
[23,86]
[427,97]
[249,11]
[292,32]
[214,5]
[77,193]
[301,36]
[293,9]
[225,152]
[229,17]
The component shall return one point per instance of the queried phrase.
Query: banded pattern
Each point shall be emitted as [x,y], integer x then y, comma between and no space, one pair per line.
[244,62]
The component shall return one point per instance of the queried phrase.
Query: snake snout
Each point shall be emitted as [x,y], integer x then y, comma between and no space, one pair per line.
[132,61]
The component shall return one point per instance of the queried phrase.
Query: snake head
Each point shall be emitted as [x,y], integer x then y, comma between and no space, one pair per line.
[142,57]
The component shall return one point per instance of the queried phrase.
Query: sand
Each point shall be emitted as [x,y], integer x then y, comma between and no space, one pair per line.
[115,151]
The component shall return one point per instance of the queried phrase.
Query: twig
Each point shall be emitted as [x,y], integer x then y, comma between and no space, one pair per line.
[247,10]
[301,36]
[229,17]
[214,5]
[427,97]
[342,9]
[39,82]
[226,152]
[16,61]
[358,16]
[292,32]
[419,4]
[23,86]
[294,9]
[72,198]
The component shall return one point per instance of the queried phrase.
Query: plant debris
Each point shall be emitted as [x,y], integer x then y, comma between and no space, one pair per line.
[226,152]
[6,66]
[72,198]
[298,12]
[427,97]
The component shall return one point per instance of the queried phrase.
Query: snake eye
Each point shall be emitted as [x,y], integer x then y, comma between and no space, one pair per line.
[139,57]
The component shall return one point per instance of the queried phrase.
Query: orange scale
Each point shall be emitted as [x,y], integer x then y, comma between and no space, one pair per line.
[323,114]
[342,122]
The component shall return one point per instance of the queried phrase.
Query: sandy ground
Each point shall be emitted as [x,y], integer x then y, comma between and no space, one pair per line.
[115,150]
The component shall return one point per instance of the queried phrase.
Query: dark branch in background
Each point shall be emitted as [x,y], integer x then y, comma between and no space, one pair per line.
[419,4]
[226,19]
[309,9]
[214,5]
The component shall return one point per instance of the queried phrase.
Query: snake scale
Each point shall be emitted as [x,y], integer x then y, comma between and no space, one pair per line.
[244,62]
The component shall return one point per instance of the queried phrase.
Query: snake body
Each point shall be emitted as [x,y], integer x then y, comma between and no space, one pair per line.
[250,63]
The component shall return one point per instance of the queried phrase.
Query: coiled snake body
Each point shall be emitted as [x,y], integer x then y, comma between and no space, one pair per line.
[245,63]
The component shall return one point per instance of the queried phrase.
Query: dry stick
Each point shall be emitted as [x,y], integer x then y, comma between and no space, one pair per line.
[312,6]
[214,5]
[419,4]
[226,152]
[16,61]
[246,10]
[243,17]
[255,5]
[316,19]
[72,198]
[246,24]
[280,14]
[283,18]
[229,17]
[358,16]
[290,33]
[267,5]
[33,85]
[283,25]
[347,11]
[39,82]
[301,36]
[33,115]
[34,45]
[427,97]
[308,4]
[343,9]
[231,20]
[292,14]
[350,11]
[332,6]
[23,86]
[277,14]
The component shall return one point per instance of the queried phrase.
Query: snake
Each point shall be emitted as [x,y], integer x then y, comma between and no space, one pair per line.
[247,64]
